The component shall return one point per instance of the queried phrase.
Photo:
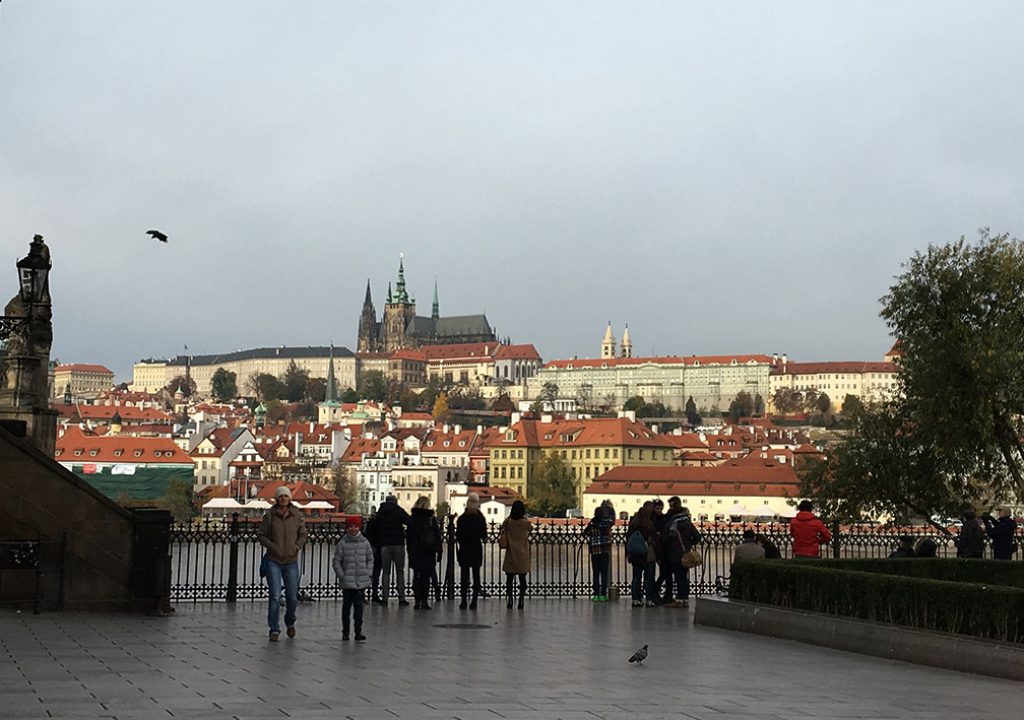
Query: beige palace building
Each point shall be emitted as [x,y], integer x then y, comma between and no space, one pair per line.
[868,381]
[86,381]
[153,375]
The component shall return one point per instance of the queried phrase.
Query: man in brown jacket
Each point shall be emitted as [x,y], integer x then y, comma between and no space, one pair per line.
[282,534]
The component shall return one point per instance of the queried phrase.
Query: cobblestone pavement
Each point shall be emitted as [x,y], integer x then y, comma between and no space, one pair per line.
[555,659]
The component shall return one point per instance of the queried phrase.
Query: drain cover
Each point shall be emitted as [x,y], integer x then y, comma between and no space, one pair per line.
[463,626]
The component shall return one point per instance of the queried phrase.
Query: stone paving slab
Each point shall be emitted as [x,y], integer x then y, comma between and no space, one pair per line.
[555,659]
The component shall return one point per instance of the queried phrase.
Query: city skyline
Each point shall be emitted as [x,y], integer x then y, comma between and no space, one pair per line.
[735,178]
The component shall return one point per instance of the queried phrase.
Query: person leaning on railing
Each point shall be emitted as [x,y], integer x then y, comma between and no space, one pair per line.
[809,533]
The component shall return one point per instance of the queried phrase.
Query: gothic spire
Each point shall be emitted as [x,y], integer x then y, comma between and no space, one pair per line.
[400,295]
[435,311]
[331,394]
[368,302]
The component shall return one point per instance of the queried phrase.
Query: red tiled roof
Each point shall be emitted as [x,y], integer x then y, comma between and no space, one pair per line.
[409,355]
[517,352]
[461,351]
[686,440]
[693,360]
[732,472]
[83,367]
[129,414]
[74,446]
[825,368]
[354,452]
[435,439]
[580,433]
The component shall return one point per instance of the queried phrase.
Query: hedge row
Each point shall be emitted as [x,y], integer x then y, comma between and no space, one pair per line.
[985,572]
[980,610]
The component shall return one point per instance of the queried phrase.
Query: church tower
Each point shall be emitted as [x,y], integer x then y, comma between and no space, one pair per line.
[368,336]
[608,344]
[435,309]
[398,313]
[627,344]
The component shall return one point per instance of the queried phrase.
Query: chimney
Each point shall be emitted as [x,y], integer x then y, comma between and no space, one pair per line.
[516,417]
[546,419]
[444,428]
[458,429]
[654,429]
[479,429]
[784,361]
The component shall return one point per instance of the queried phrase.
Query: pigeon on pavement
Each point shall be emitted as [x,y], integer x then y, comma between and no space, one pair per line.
[639,656]
[157,235]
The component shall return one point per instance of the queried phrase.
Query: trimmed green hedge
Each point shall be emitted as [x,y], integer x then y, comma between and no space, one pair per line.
[986,572]
[982,610]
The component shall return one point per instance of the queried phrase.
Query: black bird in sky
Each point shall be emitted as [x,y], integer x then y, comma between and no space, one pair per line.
[157,235]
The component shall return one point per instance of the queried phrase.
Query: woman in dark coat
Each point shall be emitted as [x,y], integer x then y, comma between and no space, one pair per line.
[470,533]
[423,541]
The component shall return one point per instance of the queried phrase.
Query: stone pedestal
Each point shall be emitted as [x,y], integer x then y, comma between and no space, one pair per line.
[37,426]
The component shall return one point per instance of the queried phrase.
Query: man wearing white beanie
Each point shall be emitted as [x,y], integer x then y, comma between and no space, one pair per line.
[282,533]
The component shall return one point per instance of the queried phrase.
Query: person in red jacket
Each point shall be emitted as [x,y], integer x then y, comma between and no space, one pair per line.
[809,533]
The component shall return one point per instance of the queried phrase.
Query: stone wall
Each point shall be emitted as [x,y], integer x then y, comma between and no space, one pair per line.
[41,498]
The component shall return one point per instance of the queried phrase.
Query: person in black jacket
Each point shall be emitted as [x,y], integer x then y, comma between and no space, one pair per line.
[423,540]
[390,533]
[971,541]
[370,533]
[470,533]
[1002,532]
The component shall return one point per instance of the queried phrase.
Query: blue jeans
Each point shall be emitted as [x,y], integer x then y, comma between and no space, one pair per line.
[289,575]
[599,563]
[643,572]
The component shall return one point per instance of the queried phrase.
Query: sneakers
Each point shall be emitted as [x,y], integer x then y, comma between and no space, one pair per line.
[602,598]
[360,637]
[403,602]
[379,601]
[290,632]
[651,603]
[344,637]
[274,636]
[638,603]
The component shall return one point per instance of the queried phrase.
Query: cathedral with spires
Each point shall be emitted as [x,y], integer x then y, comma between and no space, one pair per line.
[402,328]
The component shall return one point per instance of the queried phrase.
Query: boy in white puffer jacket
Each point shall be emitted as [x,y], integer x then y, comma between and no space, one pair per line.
[353,564]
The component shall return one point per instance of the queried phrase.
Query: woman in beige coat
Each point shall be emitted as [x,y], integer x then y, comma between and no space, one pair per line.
[515,538]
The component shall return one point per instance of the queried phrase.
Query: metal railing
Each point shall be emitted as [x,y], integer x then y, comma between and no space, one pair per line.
[218,560]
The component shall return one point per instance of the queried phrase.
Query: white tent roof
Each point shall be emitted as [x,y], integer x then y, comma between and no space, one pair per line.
[257,504]
[738,510]
[222,504]
[314,505]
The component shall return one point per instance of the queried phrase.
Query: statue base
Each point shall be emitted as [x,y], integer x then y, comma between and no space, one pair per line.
[37,426]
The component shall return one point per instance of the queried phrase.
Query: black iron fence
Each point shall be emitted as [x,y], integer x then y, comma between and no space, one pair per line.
[219,560]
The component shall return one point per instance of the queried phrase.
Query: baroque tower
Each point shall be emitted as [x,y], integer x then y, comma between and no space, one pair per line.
[608,344]
[627,344]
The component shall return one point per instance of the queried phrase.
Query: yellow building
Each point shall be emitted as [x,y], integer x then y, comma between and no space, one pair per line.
[589,447]
[85,381]
[738,490]
[153,375]
[867,381]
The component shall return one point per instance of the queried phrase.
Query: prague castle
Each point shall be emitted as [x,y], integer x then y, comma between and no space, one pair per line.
[402,328]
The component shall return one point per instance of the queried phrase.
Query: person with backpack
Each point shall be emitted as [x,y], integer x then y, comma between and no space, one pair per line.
[389,530]
[423,541]
[598,536]
[809,533]
[640,539]
[681,536]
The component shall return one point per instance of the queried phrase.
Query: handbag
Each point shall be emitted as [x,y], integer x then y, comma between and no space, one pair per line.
[502,538]
[691,559]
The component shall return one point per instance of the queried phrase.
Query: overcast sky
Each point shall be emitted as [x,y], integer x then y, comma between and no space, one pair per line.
[725,177]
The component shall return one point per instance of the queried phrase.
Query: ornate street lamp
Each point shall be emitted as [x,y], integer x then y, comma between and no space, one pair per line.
[33,287]
[34,272]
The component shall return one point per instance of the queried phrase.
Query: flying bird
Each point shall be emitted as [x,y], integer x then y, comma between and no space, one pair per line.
[157,235]
[639,656]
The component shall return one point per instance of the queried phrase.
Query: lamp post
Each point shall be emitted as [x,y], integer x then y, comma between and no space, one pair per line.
[26,332]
